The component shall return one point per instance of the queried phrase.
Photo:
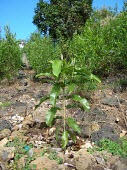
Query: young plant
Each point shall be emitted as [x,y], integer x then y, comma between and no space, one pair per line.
[63,75]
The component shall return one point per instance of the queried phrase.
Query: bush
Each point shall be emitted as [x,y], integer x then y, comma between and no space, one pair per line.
[102,45]
[10,55]
[40,50]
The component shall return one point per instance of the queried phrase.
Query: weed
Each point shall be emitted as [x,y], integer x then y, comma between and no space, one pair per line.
[115,148]
[19,153]
[5,104]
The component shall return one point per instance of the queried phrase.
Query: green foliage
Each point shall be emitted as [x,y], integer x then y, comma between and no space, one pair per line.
[101,47]
[39,51]
[114,148]
[61,18]
[64,75]
[5,104]
[10,55]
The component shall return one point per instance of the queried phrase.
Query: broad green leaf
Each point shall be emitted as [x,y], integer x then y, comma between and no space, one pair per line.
[56,67]
[72,123]
[44,74]
[41,101]
[72,136]
[50,115]
[64,139]
[71,87]
[54,93]
[83,101]
[93,77]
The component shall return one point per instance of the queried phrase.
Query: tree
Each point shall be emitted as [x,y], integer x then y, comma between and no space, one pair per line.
[61,18]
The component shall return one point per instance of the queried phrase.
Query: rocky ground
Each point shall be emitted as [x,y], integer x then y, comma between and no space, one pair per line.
[25,137]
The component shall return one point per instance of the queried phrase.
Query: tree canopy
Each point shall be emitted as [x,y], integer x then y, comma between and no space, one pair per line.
[61,18]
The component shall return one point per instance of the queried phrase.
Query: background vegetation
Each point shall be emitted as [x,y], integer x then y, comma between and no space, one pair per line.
[40,50]
[100,47]
[10,55]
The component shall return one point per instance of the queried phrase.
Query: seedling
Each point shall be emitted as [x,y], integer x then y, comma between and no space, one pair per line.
[64,80]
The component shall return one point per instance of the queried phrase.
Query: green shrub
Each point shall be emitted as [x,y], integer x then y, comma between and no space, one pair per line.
[40,50]
[102,45]
[10,55]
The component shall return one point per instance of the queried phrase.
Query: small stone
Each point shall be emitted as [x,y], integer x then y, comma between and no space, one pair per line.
[22,162]
[52,130]
[4,124]
[42,163]
[4,133]
[83,160]
[7,153]
[30,152]
[86,131]
[3,142]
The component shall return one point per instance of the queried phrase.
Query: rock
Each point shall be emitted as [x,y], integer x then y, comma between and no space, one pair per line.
[2,166]
[94,126]
[52,131]
[118,166]
[39,95]
[85,131]
[23,82]
[4,133]
[3,142]
[7,153]
[19,108]
[105,132]
[83,160]
[112,101]
[31,152]
[100,160]
[43,162]
[124,161]
[115,163]
[99,167]
[19,104]
[4,124]
[21,74]
[18,134]
[22,162]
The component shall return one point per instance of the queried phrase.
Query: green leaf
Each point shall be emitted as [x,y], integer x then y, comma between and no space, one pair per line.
[93,77]
[72,136]
[64,139]
[44,74]
[56,67]
[71,87]
[54,93]
[83,101]
[41,101]
[50,115]
[72,123]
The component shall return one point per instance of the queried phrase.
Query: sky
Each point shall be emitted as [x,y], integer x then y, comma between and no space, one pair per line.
[18,15]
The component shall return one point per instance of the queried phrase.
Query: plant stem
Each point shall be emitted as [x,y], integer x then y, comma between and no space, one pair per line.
[64,109]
